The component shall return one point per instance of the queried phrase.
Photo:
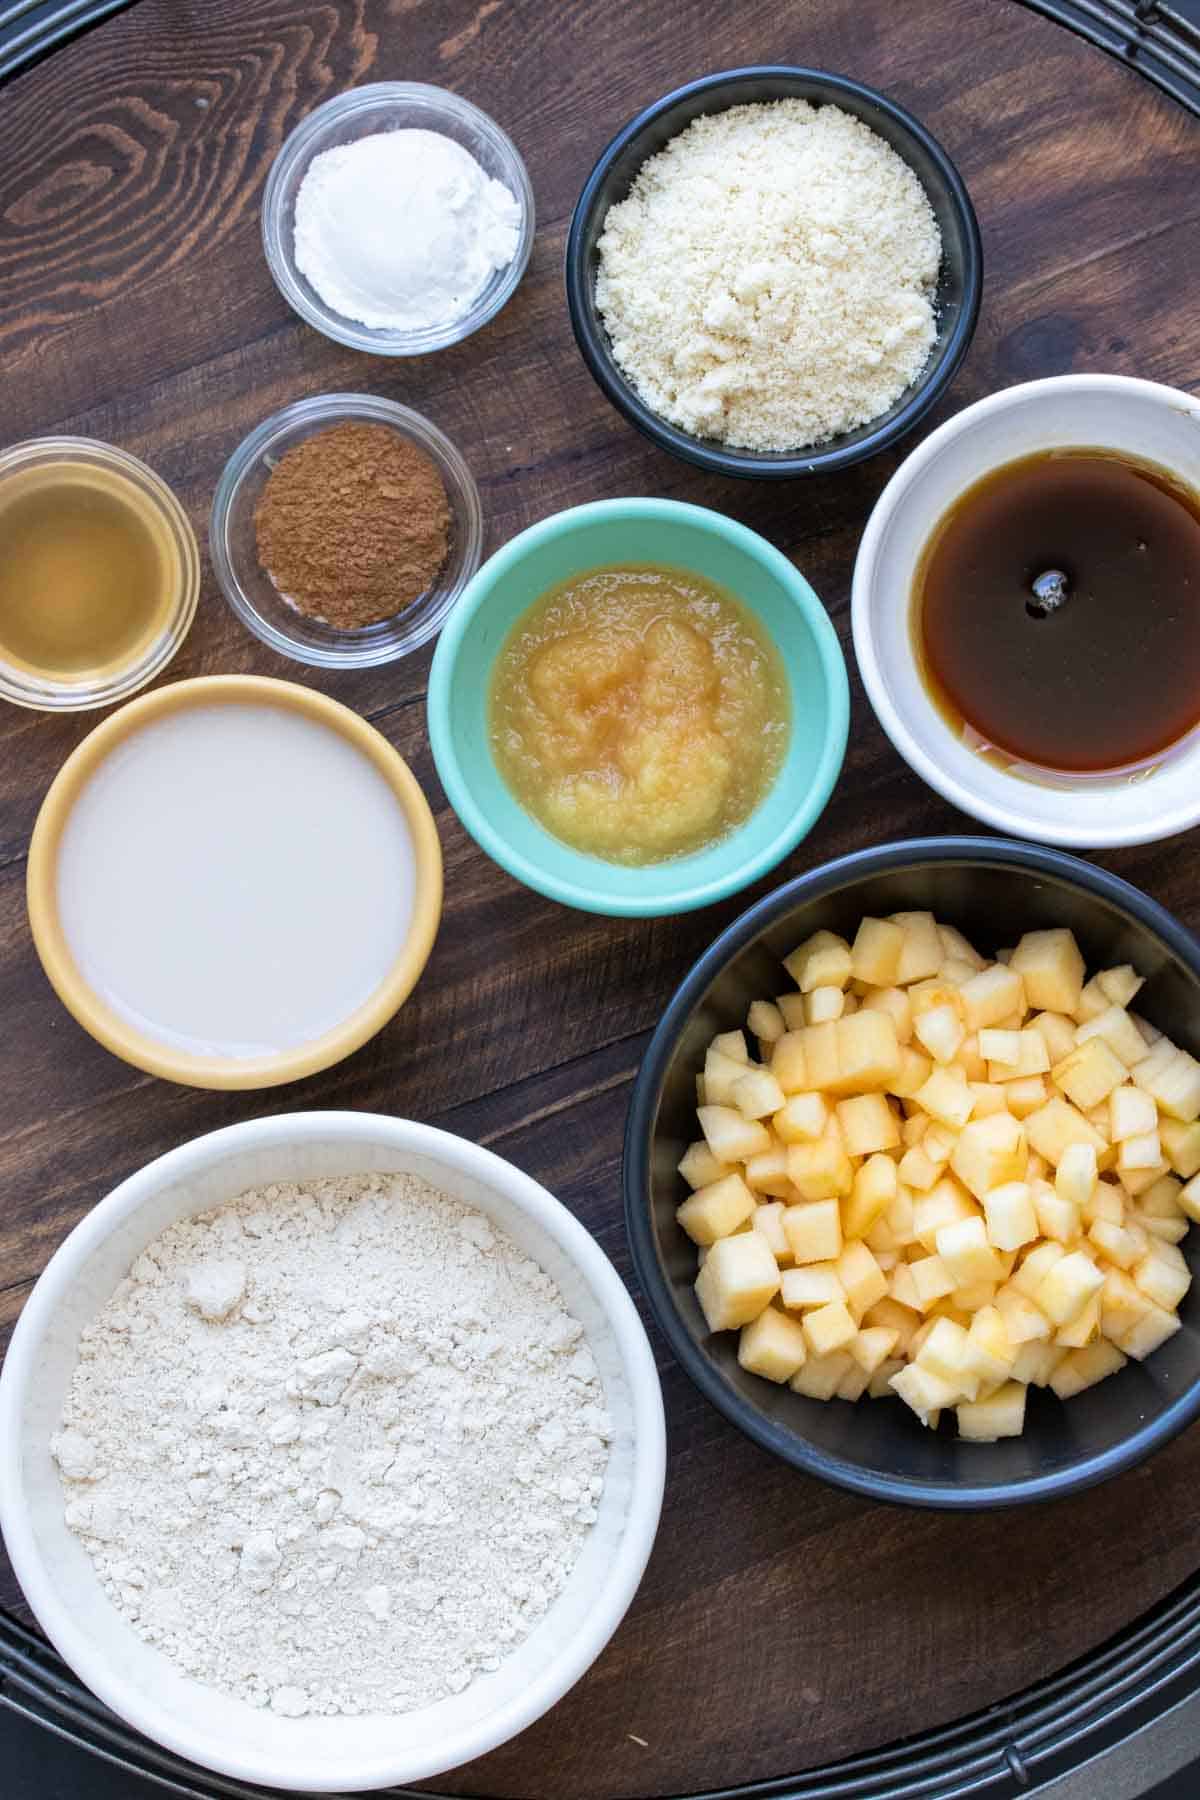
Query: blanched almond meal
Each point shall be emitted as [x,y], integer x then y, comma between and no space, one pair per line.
[947,1179]
[769,280]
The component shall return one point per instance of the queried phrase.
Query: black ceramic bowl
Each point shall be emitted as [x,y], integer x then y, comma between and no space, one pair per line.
[960,283]
[993,889]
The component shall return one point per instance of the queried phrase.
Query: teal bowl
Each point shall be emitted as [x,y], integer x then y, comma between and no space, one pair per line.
[674,535]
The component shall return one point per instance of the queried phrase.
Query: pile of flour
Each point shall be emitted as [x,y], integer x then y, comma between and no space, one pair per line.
[334,1448]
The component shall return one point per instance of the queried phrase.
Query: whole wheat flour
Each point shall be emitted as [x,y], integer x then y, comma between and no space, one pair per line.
[769,280]
[334,1448]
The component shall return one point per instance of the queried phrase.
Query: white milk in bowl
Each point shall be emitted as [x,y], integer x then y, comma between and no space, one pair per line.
[234,880]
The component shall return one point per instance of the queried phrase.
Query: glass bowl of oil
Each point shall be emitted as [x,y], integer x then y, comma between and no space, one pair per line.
[99,574]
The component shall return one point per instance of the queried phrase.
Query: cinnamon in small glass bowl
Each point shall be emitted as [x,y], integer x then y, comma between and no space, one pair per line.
[249,588]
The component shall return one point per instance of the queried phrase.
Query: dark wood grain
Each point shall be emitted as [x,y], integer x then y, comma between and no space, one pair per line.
[780,1623]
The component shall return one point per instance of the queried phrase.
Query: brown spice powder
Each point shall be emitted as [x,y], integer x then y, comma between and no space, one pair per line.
[353,525]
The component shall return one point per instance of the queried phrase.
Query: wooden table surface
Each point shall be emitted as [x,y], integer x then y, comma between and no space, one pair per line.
[780,1623]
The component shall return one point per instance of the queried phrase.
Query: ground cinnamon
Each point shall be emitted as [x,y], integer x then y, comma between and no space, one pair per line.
[353,524]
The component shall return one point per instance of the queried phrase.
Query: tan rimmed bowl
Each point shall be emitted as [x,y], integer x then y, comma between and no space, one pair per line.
[146,1051]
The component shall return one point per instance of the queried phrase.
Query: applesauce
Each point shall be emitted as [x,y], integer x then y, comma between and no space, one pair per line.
[639,713]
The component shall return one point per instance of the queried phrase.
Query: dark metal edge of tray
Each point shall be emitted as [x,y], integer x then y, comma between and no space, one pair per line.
[995,1754]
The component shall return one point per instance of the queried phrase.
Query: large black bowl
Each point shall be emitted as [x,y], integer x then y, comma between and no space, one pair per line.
[993,890]
[960,283]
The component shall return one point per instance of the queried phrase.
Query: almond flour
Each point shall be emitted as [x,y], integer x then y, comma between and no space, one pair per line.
[334,1448]
[769,281]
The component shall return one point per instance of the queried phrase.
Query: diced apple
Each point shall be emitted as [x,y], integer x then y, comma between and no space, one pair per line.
[765,1020]
[801,1119]
[868,1053]
[699,1167]
[917,1170]
[791,1008]
[717,1211]
[964,1249]
[1131,1112]
[772,1345]
[1115,1028]
[1089,1075]
[811,1284]
[756,1094]
[1121,1304]
[1058,1219]
[1150,1332]
[1163,1275]
[868,1124]
[990,1152]
[1092,1001]
[991,996]
[1137,1181]
[853,1384]
[876,952]
[1120,985]
[1056,1126]
[814,1231]
[820,1171]
[873,1346]
[829,1328]
[1170,1231]
[789,1064]
[861,1276]
[721,1075]
[1181,1146]
[818,1378]
[1172,1077]
[768,1220]
[1161,1199]
[913,1071]
[946,1203]
[824,1005]
[1083,1368]
[940,1031]
[730,1137]
[1026,1095]
[938,1142]
[946,1097]
[889,1315]
[739,1278]
[988,1097]
[1023,1321]
[1035,1265]
[931,1282]
[991,1351]
[922,954]
[922,1390]
[946,1353]
[873,1191]
[1137,1154]
[959,948]
[1010,1215]
[896,1003]
[1003,1048]
[1083,1327]
[1057,1032]
[822,960]
[767,1173]
[1001,1415]
[1052,969]
[1068,1287]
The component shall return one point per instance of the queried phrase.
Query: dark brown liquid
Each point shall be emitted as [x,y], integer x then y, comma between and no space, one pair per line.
[1110,677]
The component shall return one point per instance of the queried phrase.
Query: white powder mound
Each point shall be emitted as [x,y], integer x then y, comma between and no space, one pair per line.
[334,1449]
[769,280]
[402,230]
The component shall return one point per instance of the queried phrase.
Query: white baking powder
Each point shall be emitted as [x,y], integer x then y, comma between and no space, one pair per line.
[334,1448]
[403,229]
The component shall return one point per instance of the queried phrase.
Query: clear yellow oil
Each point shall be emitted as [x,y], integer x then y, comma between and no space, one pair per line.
[87,571]
[639,713]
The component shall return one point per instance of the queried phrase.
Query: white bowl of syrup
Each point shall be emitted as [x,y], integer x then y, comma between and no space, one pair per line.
[1026,610]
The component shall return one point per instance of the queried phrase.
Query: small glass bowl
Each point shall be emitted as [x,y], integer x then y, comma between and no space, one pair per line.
[45,693]
[251,592]
[391,106]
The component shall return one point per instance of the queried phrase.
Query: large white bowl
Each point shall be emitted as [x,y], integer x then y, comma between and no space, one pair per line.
[137,1681]
[1114,412]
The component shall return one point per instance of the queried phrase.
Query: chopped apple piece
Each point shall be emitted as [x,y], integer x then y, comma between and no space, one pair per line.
[946,1203]
[1120,985]
[731,1044]
[861,1277]
[940,1031]
[1150,1332]
[1083,1368]
[876,952]
[964,1249]
[829,1328]
[868,1124]
[822,960]
[873,1191]
[721,1075]
[739,1278]
[814,1231]
[991,1351]
[768,1220]
[1056,1126]
[788,1063]
[991,996]
[1036,1264]
[801,1119]
[1057,1032]
[819,1377]
[1011,1216]
[772,1345]
[824,1005]
[1003,1047]
[1173,1078]
[946,1352]
[1000,1415]
[699,1167]
[913,1071]
[1122,1304]
[1083,1327]
[925,1392]
[820,1171]
[1058,1218]
[1163,1276]
[917,1170]
[988,1097]
[765,1020]
[767,1173]
[757,1093]
[931,1282]
[922,955]
[1136,1154]
[1131,1112]
[791,1008]
[717,1211]
[1092,1001]
[730,1137]
[1161,1199]
[1181,1146]
[1026,1095]
[1068,1287]
[812,1284]
[946,1097]
[896,1003]
[1052,969]
[938,1143]
[872,1347]
[1023,1321]
[1115,1028]
[990,1152]
[1036,1362]
[1088,1076]
[868,1053]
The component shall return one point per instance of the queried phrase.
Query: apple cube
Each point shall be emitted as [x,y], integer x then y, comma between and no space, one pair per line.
[829,1328]
[1023,1321]
[1136,1154]
[812,1284]
[896,1003]
[861,1277]
[730,1137]
[767,1173]
[1068,1287]
[940,1031]
[991,996]
[721,1074]
[913,1070]
[1092,1001]
[938,1143]
[1058,1219]
[717,1211]
[1161,1199]
[990,1152]
[1003,1048]
[923,1391]
[946,1352]
[756,1094]
[868,1124]
[1137,1181]
[699,1167]
[1122,1304]
[765,1020]
[819,1171]
[922,954]
[889,1315]
[1120,985]
[1075,1177]
[931,1282]
[1173,1078]
[853,1384]
[1057,1032]
[1115,1028]
[789,1063]
[1011,1216]
[1089,1075]
[1149,1333]
[1083,1368]
[1052,969]
[988,1097]
[1026,1095]
[876,952]
[772,1345]
[874,1189]
[1083,1327]
[1056,1126]
[946,1203]
[946,1097]
[1181,1146]
[801,1119]
[868,1053]
[732,1044]
[873,1345]
[991,1352]
[824,1005]
[739,1278]
[768,1220]
[1001,1415]
[1170,1231]
[814,1231]
[819,1377]
[822,960]
[917,1170]
[964,1249]
[1163,1275]
[791,1009]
